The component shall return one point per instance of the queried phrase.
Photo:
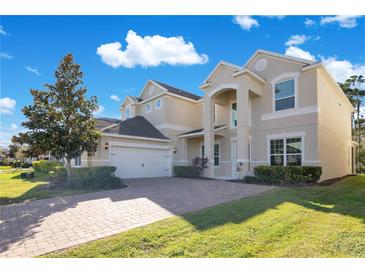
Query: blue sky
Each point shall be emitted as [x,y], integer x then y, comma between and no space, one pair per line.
[178,50]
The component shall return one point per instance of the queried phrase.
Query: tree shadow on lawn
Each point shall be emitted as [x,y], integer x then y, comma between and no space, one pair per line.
[342,198]
[22,221]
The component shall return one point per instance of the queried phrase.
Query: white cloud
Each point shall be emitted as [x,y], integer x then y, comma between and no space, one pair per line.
[99,110]
[115,97]
[32,70]
[5,55]
[2,31]
[279,17]
[296,40]
[309,22]
[13,127]
[245,22]
[342,69]
[317,38]
[344,21]
[150,51]
[7,105]
[299,53]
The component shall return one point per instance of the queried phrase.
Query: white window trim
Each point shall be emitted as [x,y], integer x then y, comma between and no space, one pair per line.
[285,136]
[282,78]
[231,113]
[146,108]
[158,100]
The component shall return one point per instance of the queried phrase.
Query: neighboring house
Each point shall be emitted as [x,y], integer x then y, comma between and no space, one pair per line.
[274,110]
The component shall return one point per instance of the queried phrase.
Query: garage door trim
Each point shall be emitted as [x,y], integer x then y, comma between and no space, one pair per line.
[136,145]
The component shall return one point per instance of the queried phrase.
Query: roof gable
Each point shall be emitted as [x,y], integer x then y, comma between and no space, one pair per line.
[279,56]
[157,89]
[219,66]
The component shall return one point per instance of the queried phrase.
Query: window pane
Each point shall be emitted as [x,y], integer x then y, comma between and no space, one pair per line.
[277,160]
[216,155]
[285,103]
[202,150]
[294,160]
[277,146]
[216,161]
[284,89]
[216,150]
[234,115]
[293,145]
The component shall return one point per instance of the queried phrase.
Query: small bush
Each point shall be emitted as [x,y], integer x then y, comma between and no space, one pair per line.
[288,174]
[187,171]
[101,177]
[45,166]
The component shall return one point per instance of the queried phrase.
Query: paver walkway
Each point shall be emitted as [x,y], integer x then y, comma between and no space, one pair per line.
[33,228]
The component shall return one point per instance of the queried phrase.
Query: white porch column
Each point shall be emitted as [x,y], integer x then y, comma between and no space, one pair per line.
[243,127]
[208,121]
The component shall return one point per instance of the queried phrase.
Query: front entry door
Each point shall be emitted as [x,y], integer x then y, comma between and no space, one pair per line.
[234,158]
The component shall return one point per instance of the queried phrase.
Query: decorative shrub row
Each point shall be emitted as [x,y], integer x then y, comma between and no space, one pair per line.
[45,165]
[186,171]
[288,174]
[102,177]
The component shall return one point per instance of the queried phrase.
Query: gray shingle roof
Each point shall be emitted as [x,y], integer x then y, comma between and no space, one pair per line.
[136,126]
[104,122]
[178,91]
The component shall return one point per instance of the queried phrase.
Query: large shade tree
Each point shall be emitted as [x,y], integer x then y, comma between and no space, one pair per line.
[60,121]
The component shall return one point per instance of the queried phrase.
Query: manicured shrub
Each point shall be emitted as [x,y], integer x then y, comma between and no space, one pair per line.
[251,180]
[45,166]
[25,165]
[288,174]
[27,175]
[200,163]
[187,171]
[102,177]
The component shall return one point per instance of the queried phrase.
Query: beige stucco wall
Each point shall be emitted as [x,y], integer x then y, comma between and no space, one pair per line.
[334,130]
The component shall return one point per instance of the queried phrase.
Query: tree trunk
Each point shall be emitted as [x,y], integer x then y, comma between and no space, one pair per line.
[68,166]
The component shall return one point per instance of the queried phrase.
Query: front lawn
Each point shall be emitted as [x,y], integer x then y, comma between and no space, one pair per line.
[326,221]
[14,189]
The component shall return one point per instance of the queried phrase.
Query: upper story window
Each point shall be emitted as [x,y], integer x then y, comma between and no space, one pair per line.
[285,95]
[286,152]
[148,108]
[234,115]
[128,113]
[158,104]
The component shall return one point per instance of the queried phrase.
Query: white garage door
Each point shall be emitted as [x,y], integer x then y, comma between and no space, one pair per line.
[135,162]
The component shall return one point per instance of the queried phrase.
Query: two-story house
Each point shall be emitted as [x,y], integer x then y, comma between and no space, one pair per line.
[273,110]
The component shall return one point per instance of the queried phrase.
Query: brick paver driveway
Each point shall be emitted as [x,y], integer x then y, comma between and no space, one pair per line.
[33,228]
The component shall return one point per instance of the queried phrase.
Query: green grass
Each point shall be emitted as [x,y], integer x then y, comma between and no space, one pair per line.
[14,189]
[287,222]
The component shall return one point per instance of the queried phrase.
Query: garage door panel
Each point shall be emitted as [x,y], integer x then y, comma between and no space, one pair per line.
[133,162]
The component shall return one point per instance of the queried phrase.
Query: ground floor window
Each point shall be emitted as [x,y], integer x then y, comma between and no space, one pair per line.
[286,152]
[78,161]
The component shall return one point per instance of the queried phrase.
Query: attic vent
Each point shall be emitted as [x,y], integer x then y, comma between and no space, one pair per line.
[261,64]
